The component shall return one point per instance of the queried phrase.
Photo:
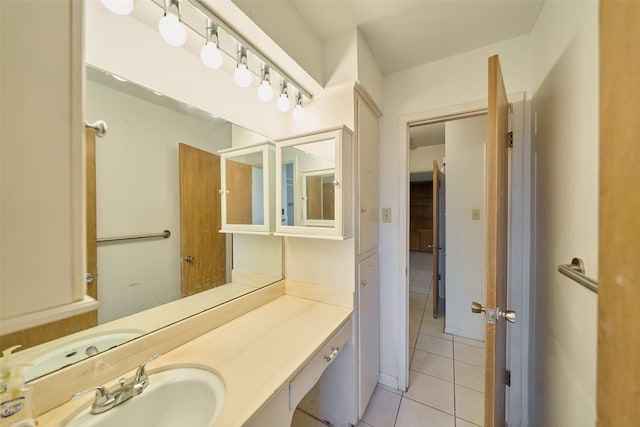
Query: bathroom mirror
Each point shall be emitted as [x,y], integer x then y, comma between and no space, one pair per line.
[248,192]
[312,188]
[141,181]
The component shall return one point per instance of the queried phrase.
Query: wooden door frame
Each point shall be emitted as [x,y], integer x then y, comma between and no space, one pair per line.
[520,220]
[618,271]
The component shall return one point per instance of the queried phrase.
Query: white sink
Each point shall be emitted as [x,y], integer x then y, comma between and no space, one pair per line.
[75,351]
[190,397]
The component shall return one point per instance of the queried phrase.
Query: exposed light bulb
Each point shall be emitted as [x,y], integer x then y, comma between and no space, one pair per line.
[265,91]
[211,55]
[172,30]
[119,7]
[242,75]
[283,103]
[298,113]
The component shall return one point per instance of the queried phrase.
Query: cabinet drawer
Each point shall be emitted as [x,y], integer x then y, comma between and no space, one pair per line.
[310,374]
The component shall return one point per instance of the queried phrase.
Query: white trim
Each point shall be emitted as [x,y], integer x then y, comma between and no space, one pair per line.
[388,380]
[405,121]
[519,269]
[37,318]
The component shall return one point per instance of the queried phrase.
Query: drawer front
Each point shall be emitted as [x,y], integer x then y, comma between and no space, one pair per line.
[310,374]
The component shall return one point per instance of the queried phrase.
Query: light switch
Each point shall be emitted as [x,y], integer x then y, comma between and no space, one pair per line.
[475,213]
[386,214]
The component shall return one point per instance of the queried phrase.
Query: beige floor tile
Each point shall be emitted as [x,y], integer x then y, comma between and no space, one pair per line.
[382,408]
[428,318]
[416,313]
[414,325]
[414,414]
[435,330]
[431,391]
[362,424]
[464,423]
[416,304]
[467,353]
[432,364]
[469,341]
[301,419]
[435,345]
[391,389]
[470,405]
[469,376]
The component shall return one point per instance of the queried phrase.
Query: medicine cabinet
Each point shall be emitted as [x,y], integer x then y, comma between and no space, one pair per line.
[314,185]
[248,194]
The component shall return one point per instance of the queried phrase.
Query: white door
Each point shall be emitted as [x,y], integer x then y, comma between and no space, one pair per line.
[369,329]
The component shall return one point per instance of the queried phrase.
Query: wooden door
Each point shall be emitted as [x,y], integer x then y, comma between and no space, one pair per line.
[239,177]
[420,216]
[618,394]
[92,235]
[496,247]
[435,246]
[202,246]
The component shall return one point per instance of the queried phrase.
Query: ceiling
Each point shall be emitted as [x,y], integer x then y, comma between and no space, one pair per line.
[426,135]
[406,33]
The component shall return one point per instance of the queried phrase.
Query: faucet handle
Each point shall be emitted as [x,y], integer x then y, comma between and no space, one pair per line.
[102,400]
[141,380]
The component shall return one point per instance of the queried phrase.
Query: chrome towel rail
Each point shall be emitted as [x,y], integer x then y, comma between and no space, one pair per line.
[165,235]
[575,271]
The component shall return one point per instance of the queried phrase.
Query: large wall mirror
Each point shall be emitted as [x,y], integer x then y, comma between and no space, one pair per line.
[160,254]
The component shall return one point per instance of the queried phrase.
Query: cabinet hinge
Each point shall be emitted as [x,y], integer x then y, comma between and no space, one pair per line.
[507,377]
[439,277]
[511,139]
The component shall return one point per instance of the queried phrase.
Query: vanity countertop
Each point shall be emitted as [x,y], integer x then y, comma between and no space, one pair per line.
[254,354]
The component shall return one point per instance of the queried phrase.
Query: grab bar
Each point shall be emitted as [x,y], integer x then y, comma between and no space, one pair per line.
[99,127]
[165,235]
[575,271]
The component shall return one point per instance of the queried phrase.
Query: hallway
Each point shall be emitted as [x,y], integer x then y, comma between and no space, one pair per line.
[446,372]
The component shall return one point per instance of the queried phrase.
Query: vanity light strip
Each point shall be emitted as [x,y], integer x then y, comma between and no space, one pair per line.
[235,36]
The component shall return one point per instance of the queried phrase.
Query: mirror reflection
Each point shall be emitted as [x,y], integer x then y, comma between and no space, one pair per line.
[308,184]
[158,169]
[244,187]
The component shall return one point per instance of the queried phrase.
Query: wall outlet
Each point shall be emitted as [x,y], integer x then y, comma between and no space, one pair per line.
[386,214]
[475,213]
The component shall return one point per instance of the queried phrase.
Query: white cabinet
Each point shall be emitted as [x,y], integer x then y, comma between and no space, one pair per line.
[368,329]
[248,193]
[314,185]
[367,169]
[42,148]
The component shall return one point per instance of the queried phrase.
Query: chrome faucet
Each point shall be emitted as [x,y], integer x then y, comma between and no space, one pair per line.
[105,400]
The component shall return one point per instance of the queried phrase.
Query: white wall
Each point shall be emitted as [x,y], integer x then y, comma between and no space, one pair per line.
[565,144]
[421,159]
[138,192]
[465,142]
[445,83]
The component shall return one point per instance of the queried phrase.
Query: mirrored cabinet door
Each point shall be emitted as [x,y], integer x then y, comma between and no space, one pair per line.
[248,196]
[314,185]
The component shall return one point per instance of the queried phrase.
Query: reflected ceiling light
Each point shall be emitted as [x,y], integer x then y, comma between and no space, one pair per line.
[171,28]
[265,91]
[283,103]
[210,54]
[298,111]
[242,75]
[119,7]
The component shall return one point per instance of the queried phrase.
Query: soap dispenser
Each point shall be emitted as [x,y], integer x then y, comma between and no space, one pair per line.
[15,402]
[5,367]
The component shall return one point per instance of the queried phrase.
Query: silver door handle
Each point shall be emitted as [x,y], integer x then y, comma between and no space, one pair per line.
[508,315]
[189,258]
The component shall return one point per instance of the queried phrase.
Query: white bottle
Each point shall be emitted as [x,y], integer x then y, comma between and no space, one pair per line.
[15,402]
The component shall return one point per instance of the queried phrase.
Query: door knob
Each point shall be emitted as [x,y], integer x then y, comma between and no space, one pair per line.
[476,307]
[508,315]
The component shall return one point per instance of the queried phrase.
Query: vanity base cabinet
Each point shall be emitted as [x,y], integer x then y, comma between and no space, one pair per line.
[368,330]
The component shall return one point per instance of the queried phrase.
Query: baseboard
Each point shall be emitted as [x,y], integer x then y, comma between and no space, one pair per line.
[388,380]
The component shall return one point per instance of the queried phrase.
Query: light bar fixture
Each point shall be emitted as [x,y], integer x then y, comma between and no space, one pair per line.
[242,75]
[265,91]
[298,110]
[210,53]
[283,103]
[171,28]
[199,17]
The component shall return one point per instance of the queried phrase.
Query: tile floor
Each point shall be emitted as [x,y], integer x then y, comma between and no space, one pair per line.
[446,376]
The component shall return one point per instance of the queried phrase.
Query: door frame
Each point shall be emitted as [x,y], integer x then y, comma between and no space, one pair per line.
[519,244]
